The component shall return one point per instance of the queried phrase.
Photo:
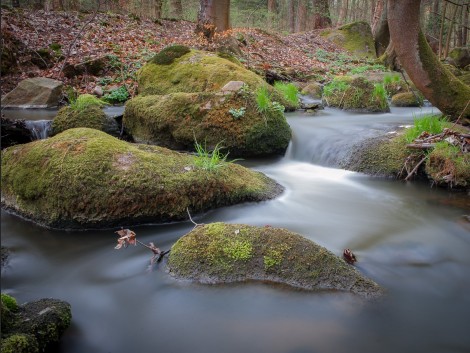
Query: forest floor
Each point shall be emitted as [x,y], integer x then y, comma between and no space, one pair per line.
[129,42]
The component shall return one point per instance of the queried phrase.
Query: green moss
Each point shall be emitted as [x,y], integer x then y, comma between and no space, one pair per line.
[407,99]
[221,253]
[9,302]
[68,118]
[355,37]
[86,178]
[447,165]
[169,54]
[176,120]
[20,343]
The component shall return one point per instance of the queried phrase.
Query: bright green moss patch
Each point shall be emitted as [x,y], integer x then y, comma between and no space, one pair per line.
[223,253]
[20,343]
[169,54]
[9,302]
[68,118]
[176,120]
[84,178]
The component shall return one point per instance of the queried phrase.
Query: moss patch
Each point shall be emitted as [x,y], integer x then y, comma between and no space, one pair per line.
[447,165]
[169,54]
[176,120]
[84,178]
[68,118]
[270,254]
[198,71]
[407,99]
[355,37]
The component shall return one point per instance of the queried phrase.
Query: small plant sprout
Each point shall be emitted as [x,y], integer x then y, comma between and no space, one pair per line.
[262,99]
[237,113]
[128,237]
[209,160]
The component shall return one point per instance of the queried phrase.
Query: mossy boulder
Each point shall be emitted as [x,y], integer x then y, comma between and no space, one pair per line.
[460,57]
[197,71]
[447,165]
[312,89]
[35,326]
[355,37]
[85,178]
[407,99]
[232,119]
[224,253]
[91,116]
[356,94]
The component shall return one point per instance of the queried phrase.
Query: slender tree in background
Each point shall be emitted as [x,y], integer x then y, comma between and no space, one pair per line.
[439,86]
[321,14]
[176,9]
[380,30]
[15,3]
[343,12]
[213,16]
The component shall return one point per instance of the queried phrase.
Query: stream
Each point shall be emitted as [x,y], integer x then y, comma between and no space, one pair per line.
[408,237]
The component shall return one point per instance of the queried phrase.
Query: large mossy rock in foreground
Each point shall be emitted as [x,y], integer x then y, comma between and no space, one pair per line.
[176,120]
[35,326]
[197,71]
[84,178]
[355,37]
[224,253]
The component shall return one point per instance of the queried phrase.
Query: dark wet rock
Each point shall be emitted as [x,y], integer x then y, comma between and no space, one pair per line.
[38,92]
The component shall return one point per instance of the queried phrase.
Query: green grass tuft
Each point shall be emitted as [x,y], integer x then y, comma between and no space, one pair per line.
[209,160]
[262,99]
[289,90]
[433,124]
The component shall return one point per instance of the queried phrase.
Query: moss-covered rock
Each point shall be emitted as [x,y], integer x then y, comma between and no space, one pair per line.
[169,54]
[312,89]
[465,78]
[35,326]
[224,253]
[356,94]
[198,71]
[355,37]
[407,99]
[447,165]
[84,178]
[92,117]
[460,56]
[230,118]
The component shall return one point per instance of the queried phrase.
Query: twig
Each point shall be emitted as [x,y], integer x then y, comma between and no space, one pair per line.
[415,168]
[461,114]
[77,36]
[195,224]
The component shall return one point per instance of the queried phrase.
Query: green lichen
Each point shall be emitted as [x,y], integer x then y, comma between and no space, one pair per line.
[169,54]
[85,178]
[177,120]
[68,118]
[262,253]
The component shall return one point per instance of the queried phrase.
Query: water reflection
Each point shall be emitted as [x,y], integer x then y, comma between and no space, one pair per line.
[406,236]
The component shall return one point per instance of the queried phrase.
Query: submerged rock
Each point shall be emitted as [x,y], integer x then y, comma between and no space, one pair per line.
[224,253]
[84,178]
[35,326]
[460,57]
[38,92]
[228,118]
[406,99]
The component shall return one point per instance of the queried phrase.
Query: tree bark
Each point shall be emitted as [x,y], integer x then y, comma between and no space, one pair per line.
[380,30]
[301,17]
[213,16]
[321,14]
[176,9]
[343,13]
[291,16]
[438,85]
[272,10]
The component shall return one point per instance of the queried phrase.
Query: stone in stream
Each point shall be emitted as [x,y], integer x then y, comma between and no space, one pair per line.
[224,253]
[85,178]
[37,92]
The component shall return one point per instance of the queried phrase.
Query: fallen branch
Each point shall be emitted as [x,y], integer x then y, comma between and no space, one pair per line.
[421,146]
[415,168]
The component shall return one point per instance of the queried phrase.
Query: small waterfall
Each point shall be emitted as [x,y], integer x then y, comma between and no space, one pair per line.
[40,129]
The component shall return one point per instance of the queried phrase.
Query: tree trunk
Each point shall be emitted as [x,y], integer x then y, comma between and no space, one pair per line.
[301,17]
[441,31]
[465,25]
[213,16]
[15,3]
[291,16]
[321,14]
[438,85]
[272,10]
[343,13]
[449,31]
[176,9]
[380,29]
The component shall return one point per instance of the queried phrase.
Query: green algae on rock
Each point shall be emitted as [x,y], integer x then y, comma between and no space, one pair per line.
[84,178]
[176,120]
[224,253]
[407,99]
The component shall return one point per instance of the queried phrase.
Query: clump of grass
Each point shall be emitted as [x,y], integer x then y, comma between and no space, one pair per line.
[289,90]
[364,68]
[391,78]
[433,124]
[334,87]
[209,160]
[84,101]
[262,99]
[380,94]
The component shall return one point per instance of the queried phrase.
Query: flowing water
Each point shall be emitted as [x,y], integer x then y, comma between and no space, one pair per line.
[408,237]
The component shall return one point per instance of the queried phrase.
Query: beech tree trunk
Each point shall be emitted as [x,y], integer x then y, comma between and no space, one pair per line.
[272,10]
[321,14]
[343,13]
[450,95]
[380,29]
[176,9]
[213,16]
